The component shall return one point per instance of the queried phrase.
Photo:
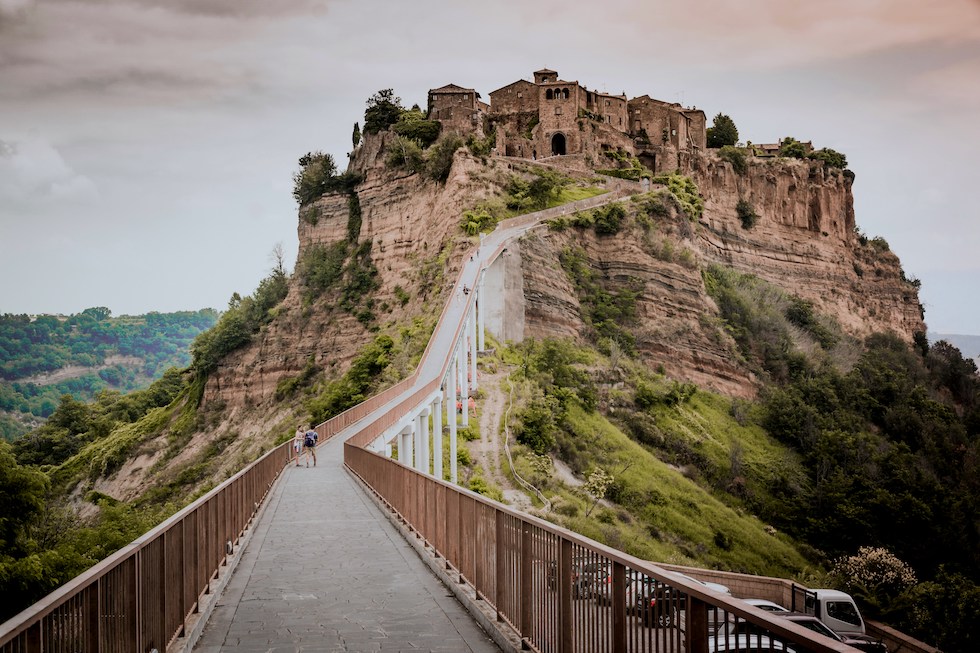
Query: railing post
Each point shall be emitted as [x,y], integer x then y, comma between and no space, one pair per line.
[696,628]
[501,575]
[565,596]
[618,602]
[93,609]
[527,582]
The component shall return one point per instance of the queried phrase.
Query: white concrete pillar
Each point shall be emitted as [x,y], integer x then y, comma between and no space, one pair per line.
[451,415]
[472,332]
[481,310]
[464,390]
[437,437]
[424,441]
[406,448]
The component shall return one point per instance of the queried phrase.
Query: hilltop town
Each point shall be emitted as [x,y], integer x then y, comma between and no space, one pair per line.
[553,117]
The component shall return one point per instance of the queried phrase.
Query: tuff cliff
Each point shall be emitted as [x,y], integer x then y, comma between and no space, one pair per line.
[804,242]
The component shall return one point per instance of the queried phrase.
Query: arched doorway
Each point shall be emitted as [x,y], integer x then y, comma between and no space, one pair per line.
[558,144]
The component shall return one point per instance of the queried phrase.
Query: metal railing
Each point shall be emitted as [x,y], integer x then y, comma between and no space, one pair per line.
[562,592]
[141,597]
[559,591]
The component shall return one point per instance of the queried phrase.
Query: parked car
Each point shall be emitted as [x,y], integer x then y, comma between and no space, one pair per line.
[587,575]
[729,628]
[658,604]
[747,644]
[768,606]
[860,642]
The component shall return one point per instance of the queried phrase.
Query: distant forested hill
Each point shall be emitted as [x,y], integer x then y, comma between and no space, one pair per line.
[969,346]
[45,357]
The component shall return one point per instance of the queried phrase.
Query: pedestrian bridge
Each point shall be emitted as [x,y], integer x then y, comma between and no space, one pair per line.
[365,552]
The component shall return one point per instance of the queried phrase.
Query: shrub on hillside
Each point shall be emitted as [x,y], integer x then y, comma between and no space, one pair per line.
[736,157]
[318,176]
[746,213]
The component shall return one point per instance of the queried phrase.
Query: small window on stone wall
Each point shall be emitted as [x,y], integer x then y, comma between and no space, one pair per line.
[557,111]
[549,95]
[564,93]
[520,95]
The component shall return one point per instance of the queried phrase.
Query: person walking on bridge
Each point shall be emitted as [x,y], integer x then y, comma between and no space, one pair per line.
[298,438]
[309,446]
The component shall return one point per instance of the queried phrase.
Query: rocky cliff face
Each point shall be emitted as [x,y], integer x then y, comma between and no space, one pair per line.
[416,244]
[804,242]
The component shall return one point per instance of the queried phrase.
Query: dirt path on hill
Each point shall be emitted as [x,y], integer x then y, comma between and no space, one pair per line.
[488,451]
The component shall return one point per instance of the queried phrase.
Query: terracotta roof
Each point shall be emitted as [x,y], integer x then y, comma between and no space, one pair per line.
[451,88]
[545,70]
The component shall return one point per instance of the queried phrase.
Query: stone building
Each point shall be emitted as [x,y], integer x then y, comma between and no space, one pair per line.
[554,117]
[458,109]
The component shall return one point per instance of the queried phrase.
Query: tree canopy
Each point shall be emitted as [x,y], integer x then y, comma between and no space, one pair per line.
[383,110]
[722,131]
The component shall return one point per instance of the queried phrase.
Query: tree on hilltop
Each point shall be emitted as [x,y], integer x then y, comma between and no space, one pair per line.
[383,110]
[722,131]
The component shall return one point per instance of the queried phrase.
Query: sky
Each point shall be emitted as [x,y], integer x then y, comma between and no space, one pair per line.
[147,147]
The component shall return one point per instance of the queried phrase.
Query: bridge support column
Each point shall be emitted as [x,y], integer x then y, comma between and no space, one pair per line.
[422,460]
[451,416]
[481,311]
[464,368]
[437,438]
[472,334]
[405,448]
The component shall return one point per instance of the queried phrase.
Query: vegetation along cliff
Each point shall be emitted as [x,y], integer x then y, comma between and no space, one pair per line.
[720,370]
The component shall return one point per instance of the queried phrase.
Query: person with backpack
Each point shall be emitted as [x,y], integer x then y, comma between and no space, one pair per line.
[309,446]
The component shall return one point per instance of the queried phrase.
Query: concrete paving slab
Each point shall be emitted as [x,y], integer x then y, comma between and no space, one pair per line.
[326,572]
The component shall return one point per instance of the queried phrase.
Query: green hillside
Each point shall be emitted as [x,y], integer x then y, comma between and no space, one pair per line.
[43,358]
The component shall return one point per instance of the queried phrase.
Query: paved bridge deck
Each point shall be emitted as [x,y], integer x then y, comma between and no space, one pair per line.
[326,571]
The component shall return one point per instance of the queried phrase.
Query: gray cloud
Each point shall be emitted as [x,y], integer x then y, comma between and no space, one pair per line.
[225,8]
[33,174]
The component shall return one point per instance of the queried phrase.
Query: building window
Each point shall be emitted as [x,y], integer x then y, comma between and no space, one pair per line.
[636,112]
[520,95]
[549,95]
[607,103]
[557,111]
[564,93]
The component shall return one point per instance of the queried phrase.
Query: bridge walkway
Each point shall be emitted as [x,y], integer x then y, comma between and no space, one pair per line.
[326,571]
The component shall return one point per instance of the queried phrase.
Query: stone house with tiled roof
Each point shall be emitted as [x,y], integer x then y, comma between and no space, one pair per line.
[554,117]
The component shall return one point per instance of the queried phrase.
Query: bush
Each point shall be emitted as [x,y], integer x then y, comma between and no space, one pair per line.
[406,153]
[736,157]
[831,158]
[440,159]
[746,213]
[537,425]
[318,176]
[479,220]
[792,148]
[609,219]
[544,188]
[413,125]
[873,574]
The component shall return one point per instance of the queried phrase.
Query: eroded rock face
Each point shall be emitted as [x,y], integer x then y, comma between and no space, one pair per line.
[411,221]
[803,242]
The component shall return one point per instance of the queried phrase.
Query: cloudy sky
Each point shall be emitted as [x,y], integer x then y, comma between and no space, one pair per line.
[147,146]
